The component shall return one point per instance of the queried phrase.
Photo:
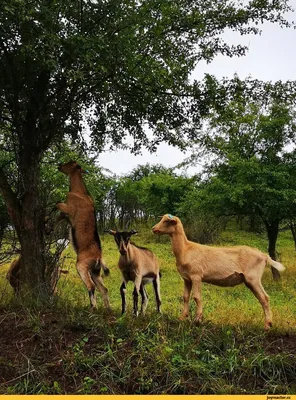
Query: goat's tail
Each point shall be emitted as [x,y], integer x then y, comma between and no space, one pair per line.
[106,270]
[275,264]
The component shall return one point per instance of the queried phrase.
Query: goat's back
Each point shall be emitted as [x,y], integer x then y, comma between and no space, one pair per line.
[222,261]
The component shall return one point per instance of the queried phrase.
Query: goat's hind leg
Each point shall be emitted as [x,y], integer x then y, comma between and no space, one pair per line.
[136,292]
[98,280]
[83,271]
[123,297]
[256,287]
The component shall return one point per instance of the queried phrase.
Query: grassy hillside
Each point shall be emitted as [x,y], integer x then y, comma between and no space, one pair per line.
[64,348]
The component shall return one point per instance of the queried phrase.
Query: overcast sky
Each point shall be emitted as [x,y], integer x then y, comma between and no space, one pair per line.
[271,56]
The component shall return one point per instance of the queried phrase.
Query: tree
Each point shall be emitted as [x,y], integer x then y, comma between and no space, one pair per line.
[253,170]
[53,188]
[118,66]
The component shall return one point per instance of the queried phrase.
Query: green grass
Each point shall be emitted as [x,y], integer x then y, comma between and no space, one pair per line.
[72,350]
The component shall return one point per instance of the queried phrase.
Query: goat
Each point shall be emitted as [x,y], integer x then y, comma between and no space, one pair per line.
[14,276]
[139,265]
[79,211]
[226,266]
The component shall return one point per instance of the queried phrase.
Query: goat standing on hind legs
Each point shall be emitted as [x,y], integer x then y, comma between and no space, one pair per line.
[228,266]
[139,265]
[79,211]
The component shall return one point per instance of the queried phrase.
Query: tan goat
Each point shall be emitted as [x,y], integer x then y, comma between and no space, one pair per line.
[79,211]
[139,265]
[13,275]
[225,266]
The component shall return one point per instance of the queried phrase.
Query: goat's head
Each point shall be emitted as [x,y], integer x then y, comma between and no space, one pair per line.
[122,240]
[167,225]
[71,167]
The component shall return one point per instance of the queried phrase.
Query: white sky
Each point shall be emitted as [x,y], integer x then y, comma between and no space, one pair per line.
[271,56]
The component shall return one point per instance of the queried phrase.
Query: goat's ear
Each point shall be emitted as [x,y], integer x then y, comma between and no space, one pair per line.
[171,219]
[133,232]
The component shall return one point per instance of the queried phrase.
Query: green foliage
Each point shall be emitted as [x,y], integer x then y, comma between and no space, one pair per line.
[59,62]
[202,224]
[148,191]
[252,169]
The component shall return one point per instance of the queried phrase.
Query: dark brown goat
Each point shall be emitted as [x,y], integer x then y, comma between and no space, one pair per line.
[79,211]
[139,265]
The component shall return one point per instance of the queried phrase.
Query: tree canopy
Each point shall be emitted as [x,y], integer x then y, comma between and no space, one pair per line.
[252,164]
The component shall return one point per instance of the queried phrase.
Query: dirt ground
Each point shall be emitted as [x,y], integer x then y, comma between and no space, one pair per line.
[39,350]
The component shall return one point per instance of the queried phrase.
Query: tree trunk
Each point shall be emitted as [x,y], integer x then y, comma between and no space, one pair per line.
[32,227]
[293,231]
[272,233]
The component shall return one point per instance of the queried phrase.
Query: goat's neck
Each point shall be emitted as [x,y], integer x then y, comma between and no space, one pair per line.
[129,254]
[179,244]
[77,185]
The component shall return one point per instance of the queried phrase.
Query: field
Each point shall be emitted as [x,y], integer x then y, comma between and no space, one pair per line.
[62,347]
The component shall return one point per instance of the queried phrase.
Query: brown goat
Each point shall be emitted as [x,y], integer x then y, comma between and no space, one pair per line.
[226,266]
[139,265]
[14,276]
[79,211]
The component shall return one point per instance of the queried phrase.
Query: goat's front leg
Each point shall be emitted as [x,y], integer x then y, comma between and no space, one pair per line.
[156,286]
[63,208]
[136,294]
[144,295]
[196,294]
[51,224]
[123,297]
[186,297]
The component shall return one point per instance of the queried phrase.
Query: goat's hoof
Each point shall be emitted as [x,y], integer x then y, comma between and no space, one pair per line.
[183,317]
[267,326]
[197,322]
